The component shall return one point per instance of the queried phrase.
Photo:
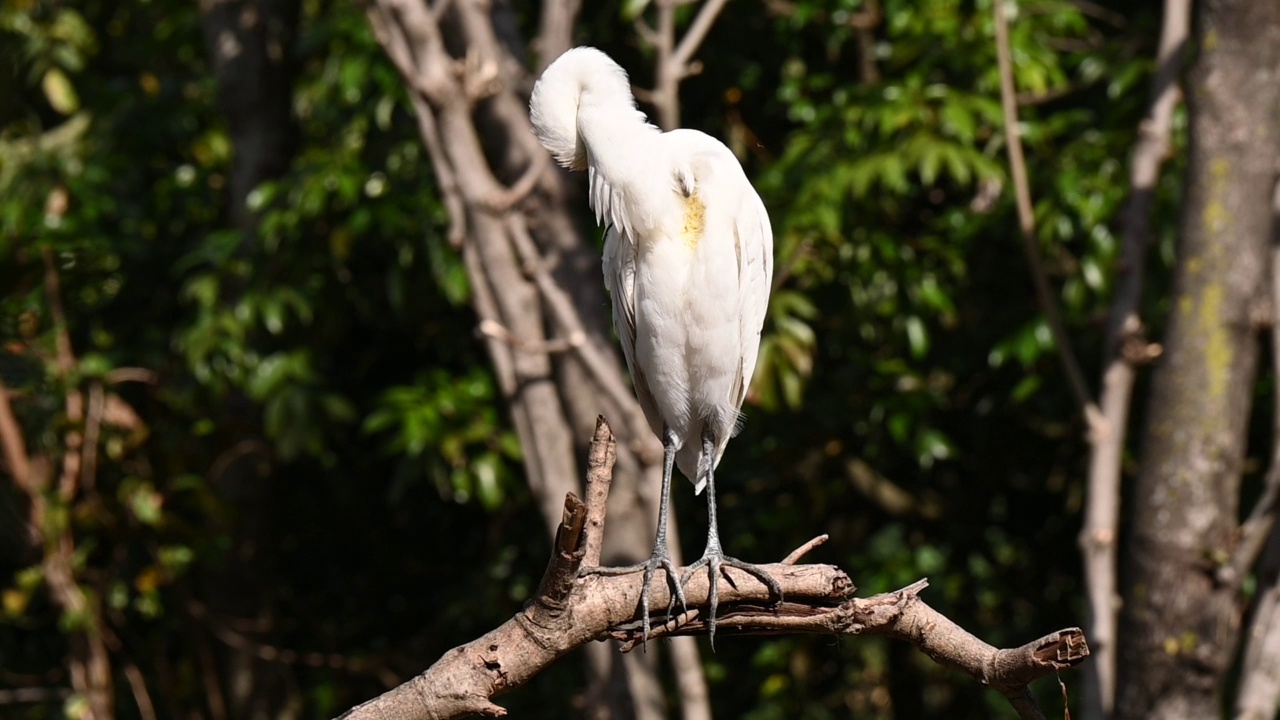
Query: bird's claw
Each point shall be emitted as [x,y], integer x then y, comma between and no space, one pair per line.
[677,592]
[649,568]
[715,563]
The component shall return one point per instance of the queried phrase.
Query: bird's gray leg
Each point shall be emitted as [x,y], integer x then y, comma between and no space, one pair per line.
[713,557]
[661,556]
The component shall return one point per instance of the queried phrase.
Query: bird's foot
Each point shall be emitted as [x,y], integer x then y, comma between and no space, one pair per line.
[649,567]
[715,562]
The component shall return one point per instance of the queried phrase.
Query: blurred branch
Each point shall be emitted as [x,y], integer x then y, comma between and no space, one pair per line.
[675,58]
[555,30]
[66,363]
[568,611]
[132,374]
[1027,225]
[221,629]
[34,695]
[89,660]
[141,696]
[1126,346]
[15,446]
[866,19]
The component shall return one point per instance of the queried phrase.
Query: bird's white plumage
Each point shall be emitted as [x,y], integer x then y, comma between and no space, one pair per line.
[688,256]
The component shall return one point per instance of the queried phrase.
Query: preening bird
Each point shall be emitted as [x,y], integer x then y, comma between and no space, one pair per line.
[688,262]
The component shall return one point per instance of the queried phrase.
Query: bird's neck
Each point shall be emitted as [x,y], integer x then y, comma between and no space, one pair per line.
[621,144]
[632,183]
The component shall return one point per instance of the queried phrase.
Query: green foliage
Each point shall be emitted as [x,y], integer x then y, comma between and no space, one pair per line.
[448,429]
[907,398]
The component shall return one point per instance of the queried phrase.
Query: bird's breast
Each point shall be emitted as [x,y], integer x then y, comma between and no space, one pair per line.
[695,220]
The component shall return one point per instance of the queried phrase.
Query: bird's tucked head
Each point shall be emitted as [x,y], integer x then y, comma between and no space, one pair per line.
[581,76]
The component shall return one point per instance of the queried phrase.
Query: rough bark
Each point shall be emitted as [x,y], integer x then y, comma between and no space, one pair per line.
[1181,625]
[568,611]
[1126,349]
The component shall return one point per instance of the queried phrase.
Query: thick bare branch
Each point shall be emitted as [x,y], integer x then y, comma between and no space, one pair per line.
[569,611]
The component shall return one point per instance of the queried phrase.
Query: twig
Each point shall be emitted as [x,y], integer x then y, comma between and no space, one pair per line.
[53,295]
[286,656]
[1100,532]
[66,362]
[138,684]
[804,549]
[209,677]
[1027,225]
[92,429]
[1255,530]
[34,695]
[132,374]
[490,328]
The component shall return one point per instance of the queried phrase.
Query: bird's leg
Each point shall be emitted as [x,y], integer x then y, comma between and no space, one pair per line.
[661,556]
[713,557]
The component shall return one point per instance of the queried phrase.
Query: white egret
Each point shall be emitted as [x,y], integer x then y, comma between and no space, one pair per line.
[688,261]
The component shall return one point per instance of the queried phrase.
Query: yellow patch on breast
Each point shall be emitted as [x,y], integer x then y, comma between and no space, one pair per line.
[695,219]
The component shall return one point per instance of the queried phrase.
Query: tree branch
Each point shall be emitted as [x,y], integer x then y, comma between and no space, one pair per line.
[555,30]
[15,447]
[674,60]
[696,33]
[569,611]
[1027,225]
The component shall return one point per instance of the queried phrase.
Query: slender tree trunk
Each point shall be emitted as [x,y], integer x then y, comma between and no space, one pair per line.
[1180,627]
[1126,347]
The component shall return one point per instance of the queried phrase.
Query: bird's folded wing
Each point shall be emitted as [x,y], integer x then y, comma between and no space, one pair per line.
[619,266]
[753,240]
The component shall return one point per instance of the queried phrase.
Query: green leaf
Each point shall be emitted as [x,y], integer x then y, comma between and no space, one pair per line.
[59,91]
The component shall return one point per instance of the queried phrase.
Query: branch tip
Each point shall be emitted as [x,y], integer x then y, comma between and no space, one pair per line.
[804,549]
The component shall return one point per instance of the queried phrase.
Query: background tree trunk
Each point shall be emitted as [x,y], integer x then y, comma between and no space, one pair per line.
[1181,627]
[250,46]
[536,288]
